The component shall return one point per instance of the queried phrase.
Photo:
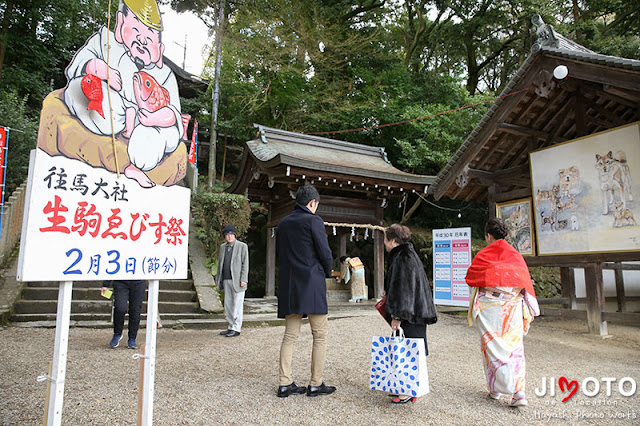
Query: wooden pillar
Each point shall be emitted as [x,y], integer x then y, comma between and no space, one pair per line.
[568,280]
[342,250]
[378,267]
[595,298]
[620,287]
[270,285]
[494,190]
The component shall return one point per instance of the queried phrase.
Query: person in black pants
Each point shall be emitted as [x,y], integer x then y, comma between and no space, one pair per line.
[409,303]
[131,291]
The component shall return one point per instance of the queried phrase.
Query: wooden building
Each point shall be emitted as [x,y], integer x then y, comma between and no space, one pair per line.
[356,182]
[537,110]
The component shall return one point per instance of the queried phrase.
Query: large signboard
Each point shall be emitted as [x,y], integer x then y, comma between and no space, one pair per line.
[102,200]
[451,259]
[584,193]
[85,223]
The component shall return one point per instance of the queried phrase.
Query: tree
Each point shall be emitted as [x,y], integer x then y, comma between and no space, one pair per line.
[610,27]
[22,138]
[39,38]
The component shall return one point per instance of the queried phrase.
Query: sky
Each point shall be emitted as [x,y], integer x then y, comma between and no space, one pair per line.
[176,26]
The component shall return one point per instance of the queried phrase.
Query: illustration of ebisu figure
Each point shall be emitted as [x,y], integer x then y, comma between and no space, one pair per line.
[144,93]
[120,71]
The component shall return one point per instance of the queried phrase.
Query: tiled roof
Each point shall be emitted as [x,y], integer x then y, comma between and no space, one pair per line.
[594,58]
[274,147]
[557,45]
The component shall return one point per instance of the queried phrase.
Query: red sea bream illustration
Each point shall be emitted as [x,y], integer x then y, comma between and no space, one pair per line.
[92,89]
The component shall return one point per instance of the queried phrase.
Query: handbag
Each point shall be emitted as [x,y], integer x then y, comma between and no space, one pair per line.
[399,365]
[380,306]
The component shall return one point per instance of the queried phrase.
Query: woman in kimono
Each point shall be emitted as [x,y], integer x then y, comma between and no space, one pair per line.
[503,304]
[409,304]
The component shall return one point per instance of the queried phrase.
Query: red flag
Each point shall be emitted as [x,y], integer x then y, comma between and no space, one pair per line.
[3,146]
[194,142]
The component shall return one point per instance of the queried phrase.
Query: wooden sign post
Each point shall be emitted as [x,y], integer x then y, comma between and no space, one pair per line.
[150,355]
[58,370]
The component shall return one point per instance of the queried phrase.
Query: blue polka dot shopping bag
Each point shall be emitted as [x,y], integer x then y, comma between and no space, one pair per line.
[399,365]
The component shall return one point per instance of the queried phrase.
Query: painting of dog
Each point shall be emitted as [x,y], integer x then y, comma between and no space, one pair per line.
[549,220]
[583,193]
[518,218]
[549,195]
[570,204]
[575,225]
[615,179]
[569,180]
[622,216]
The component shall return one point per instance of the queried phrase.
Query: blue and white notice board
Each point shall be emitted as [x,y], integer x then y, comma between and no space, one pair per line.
[451,259]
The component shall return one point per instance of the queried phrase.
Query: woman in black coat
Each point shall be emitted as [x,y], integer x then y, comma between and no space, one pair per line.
[409,302]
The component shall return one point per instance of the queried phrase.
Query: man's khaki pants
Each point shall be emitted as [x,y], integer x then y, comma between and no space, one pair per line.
[319,330]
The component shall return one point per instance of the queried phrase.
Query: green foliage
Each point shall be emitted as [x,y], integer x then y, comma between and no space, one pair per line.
[41,38]
[13,114]
[432,142]
[546,282]
[213,211]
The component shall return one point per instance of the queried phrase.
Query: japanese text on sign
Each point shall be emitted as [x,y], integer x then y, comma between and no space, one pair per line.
[451,259]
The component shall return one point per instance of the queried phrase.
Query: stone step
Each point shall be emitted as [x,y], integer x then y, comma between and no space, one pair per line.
[96,306]
[338,295]
[106,317]
[51,293]
[215,323]
[183,285]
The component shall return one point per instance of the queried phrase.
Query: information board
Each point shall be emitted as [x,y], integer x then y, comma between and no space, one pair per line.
[86,224]
[451,259]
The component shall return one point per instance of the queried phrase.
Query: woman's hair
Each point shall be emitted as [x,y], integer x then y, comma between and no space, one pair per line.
[343,258]
[398,232]
[497,228]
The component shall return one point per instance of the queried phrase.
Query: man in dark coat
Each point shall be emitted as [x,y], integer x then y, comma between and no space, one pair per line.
[305,262]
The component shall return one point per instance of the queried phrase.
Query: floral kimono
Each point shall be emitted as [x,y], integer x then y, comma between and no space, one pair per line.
[503,304]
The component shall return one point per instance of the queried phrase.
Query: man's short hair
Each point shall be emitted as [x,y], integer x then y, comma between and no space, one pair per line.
[307,193]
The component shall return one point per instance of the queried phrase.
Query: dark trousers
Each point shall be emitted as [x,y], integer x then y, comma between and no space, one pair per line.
[416,331]
[123,292]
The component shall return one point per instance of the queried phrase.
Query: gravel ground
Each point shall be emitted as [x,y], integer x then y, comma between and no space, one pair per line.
[203,378]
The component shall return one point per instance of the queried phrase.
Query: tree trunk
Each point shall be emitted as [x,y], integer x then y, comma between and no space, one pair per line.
[473,72]
[4,33]
[224,160]
[215,96]
[576,20]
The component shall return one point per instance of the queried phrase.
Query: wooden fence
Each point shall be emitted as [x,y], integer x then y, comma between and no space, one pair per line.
[12,223]
[569,299]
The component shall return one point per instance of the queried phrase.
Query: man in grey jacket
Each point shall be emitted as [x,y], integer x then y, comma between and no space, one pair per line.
[232,276]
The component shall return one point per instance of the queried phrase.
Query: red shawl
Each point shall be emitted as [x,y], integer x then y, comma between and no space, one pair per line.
[499,265]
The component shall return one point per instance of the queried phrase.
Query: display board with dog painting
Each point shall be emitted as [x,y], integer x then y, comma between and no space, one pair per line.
[517,216]
[584,193]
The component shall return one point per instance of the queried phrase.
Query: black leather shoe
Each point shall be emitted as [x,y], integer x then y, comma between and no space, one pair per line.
[320,390]
[292,389]
[232,333]
[224,333]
